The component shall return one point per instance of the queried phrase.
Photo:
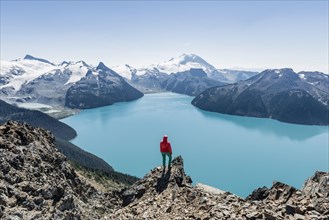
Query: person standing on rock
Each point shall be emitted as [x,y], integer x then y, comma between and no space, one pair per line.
[165,149]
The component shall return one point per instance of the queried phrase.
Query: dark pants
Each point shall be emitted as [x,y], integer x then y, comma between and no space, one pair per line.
[164,154]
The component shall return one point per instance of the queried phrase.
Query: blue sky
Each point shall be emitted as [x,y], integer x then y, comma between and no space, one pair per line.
[248,34]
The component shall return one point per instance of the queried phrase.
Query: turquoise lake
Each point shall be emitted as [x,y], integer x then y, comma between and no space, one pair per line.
[232,153]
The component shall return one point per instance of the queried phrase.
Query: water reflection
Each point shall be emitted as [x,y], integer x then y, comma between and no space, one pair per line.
[269,126]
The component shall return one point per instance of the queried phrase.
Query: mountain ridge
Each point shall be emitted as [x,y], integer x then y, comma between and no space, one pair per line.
[99,88]
[29,57]
[279,94]
[61,131]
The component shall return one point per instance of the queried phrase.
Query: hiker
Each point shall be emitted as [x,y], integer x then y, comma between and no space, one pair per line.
[165,149]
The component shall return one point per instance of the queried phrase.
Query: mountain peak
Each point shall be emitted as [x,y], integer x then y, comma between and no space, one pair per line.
[83,63]
[185,58]
[184,63]
[29,57]
[286,72]
[64,63]
[101,66]
[191,55]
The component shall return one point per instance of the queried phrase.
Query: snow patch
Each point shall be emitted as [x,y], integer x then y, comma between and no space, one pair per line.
[180,64]
[125,71]
[78,70]
[33,105]
[30,70]
[209,189]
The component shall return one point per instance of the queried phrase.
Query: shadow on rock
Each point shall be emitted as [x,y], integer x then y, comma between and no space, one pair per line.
[163,181]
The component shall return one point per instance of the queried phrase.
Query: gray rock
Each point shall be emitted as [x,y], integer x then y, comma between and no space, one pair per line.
[130,195]
[290,209]
[67,203]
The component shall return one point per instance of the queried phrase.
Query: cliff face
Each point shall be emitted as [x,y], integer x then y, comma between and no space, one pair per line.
[37,182]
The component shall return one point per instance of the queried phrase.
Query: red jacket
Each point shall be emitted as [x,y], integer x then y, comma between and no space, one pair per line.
[165,146]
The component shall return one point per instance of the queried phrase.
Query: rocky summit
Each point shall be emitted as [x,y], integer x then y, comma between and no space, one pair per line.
[37,182]
[170,195]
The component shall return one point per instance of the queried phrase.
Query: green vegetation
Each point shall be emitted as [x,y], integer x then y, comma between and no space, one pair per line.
[36,119]
[90,165]
[108,179]
[81,157]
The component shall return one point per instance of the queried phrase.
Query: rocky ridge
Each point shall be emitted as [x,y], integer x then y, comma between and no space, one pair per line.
[170,195]
[37,182]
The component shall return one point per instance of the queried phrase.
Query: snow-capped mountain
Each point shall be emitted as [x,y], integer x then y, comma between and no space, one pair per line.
[13,74]
[101,86]
[18,72]
[186,62]
[38,80]
[317,79]
[74,84]
[183,63]
[77,69]
[149,79]
[125,71]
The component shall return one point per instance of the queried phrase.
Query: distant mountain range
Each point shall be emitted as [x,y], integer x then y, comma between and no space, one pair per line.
[280,94]
[79,85]
[150,78]
[38,80]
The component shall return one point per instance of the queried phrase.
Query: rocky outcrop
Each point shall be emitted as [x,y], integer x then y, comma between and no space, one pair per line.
[169,195]
[37,182]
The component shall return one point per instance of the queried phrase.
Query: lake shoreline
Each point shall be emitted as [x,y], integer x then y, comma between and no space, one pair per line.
[112,133]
